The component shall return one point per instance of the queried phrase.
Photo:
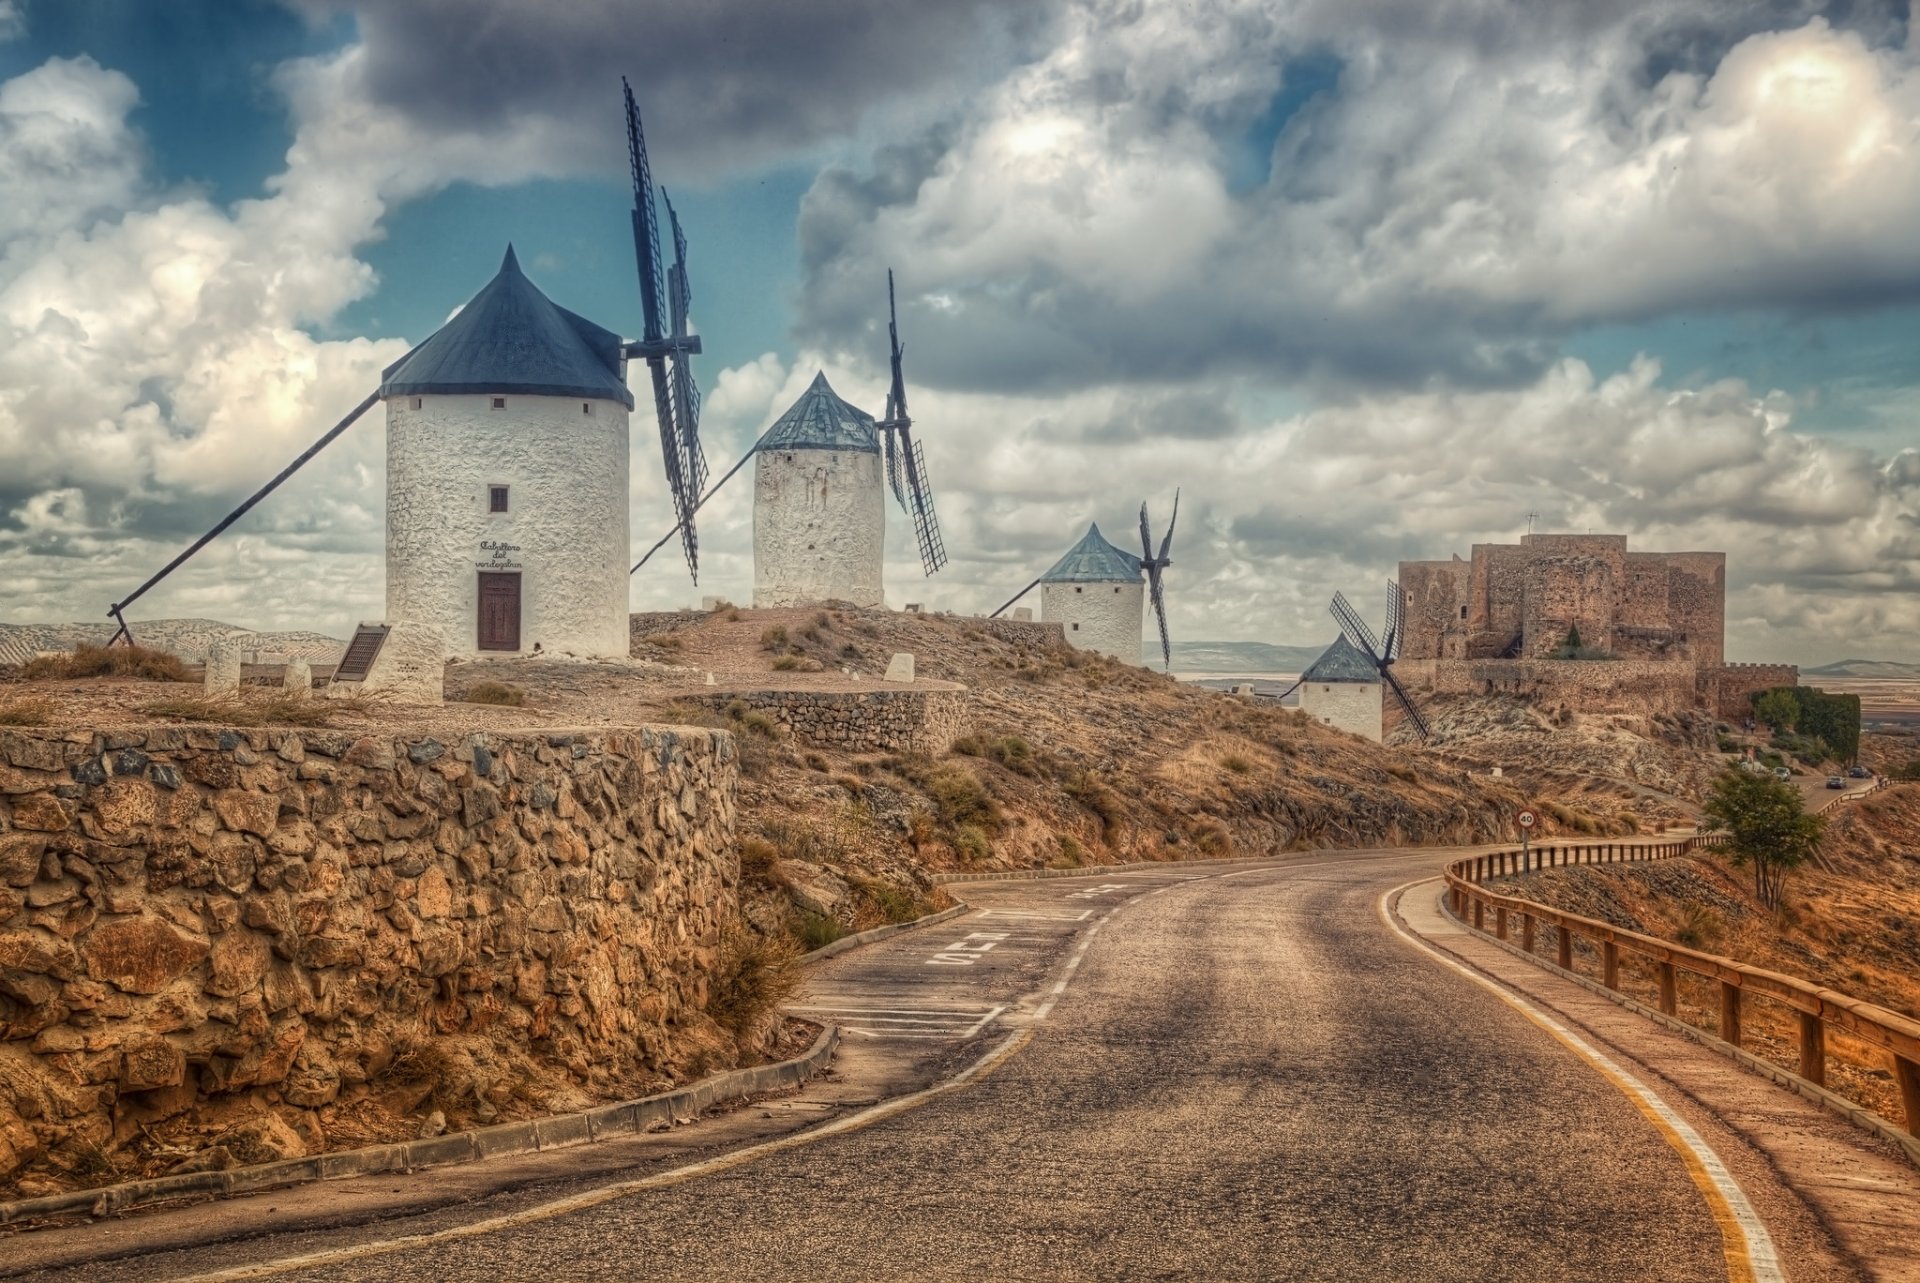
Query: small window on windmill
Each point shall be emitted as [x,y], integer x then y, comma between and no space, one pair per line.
[1076,628]
[1078,588]
[361,652]
[1463,612]
[499,403]
[496,498]
[586,407]
[416,403]
[1116,588]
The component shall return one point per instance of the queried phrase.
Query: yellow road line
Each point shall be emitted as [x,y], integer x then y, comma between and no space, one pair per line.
[980,1068]
[1748,1248]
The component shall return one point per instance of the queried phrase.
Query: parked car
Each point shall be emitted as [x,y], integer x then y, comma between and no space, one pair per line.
[1782,773]
[1860,773]
[1835,782]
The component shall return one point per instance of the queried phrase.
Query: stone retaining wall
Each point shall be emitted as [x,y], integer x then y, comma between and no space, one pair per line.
[893,721]
[1030,631]
[201,918]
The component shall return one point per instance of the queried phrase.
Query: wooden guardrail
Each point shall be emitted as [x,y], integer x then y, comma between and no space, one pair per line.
[1816,1007]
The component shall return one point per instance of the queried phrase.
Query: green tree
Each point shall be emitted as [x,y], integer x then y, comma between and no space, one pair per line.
[1768,829]
[1778,709]
[1573,642]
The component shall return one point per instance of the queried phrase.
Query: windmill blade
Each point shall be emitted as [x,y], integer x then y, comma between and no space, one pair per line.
[1160,614]
[896,472]
[1146,534]
[646,221]
[926,526]
[1406,702]
[1167,543]
[1395,624]
[1356,628]
[897,396]
[686,394]
[1016,597]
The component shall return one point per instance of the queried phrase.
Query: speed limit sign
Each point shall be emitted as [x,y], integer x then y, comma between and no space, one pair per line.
[1528,819]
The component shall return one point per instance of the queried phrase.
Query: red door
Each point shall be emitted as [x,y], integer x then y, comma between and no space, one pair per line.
[499,611]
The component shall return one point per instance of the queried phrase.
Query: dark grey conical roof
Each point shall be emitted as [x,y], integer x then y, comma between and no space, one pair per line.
[1342,662]
[511,338]
[820,420]
[1094,560]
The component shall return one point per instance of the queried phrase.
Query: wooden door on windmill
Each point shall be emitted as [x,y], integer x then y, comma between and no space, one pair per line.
[499,611]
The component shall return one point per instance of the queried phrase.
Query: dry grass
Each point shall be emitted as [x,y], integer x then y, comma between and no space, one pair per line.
[756,974]
[108,661]
[255,710]
[33,711]
[505,694]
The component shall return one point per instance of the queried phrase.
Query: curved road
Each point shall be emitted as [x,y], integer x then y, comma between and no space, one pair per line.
[1205,1075]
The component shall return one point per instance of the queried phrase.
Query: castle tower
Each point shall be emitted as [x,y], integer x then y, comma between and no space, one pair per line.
[1342,689]
[507,478]
[1096,594]
[819,514]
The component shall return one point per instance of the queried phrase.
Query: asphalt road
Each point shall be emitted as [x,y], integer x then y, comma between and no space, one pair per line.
[1228,1077]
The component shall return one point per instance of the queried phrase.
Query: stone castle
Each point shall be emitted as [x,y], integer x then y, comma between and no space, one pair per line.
[1654,624]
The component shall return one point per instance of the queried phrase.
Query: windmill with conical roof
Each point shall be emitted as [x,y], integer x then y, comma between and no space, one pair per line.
[1097,591]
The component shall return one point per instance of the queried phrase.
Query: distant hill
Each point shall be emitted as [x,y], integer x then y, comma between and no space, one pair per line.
[187,638]
[1885,669]
[1242,657]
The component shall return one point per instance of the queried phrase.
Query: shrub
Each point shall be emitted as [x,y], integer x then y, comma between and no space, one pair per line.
[273,710]
[893,903]
[815,762]
[1088,790]
[34,711]
[1769,828]
[1236,763]
[774,639]
[959,798]
[816,930]
[756,974]
[108,661]
[503,693]
[1072,854]
[786,663]
[758,859]
[665,641]
[970,844]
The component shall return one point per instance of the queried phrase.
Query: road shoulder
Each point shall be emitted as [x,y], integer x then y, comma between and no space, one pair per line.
[1823,1186]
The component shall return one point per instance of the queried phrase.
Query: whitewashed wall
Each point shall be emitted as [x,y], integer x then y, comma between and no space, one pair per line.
[1349,706]
[1106,617]
[819,527]
[566,520]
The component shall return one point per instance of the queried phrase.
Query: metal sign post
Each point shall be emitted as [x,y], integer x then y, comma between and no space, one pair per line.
[1527,820]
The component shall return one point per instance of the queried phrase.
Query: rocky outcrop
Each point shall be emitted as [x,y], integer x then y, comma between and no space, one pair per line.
[191,919]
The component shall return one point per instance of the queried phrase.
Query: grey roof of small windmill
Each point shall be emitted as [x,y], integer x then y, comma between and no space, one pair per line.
[820,420]
[1342,662]
[511,338]
[1094,560]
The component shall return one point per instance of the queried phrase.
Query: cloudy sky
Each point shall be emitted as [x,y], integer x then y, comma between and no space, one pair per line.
[1368,279]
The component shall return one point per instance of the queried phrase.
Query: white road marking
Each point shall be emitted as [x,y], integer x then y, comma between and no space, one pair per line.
[1093,893]
[1749,1248]
[945,1024]
[966,951]
[1081,916]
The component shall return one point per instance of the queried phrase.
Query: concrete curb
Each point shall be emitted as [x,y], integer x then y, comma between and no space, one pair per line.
[627,1118]
[1024,875]
[845,943]
[1858,1115]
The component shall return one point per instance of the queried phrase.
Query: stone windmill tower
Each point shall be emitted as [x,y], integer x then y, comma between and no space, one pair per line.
[507,478]
[1096,594]
[819,504]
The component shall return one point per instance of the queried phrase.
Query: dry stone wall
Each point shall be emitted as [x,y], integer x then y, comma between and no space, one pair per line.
[1646,687]
[196,917]
[891,721]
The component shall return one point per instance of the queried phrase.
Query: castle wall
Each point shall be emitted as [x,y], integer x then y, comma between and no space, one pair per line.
[1103,617]
[1644,603]
[1594,686]
[1433,604]
[564,532]
[1496,601]
[1564,591]
[1730,688]
[1697,603]
[819,527]
[1353,707]
[261,920]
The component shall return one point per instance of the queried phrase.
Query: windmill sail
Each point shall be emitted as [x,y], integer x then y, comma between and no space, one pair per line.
[676,401]
[1154,566]
[906,461]
[1357,632]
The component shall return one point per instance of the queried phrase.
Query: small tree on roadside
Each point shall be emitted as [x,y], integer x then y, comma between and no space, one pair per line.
[1768,828]
[1778,709]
